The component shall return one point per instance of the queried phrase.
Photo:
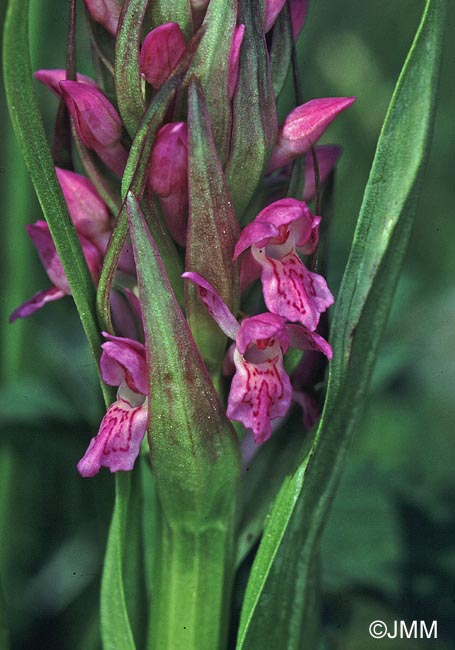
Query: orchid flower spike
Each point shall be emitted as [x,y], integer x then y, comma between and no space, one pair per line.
[304,126]
[97,123]
[122,429]
[290,290]
[261,390]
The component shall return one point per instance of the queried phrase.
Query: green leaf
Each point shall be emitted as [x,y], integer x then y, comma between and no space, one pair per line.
[127,73]
[254,127]
[284,560]
[177,11]
[211,219]
[211,67]
[116,630]
[28,125]
[195,460]
[134,178]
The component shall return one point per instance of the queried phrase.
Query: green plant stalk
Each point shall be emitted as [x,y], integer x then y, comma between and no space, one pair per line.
[192,586]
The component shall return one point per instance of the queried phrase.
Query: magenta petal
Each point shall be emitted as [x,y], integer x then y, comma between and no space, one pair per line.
[119,439]
[97,123]
[304,126]
[261,327]
[292,291]
[87,209]
[123,359]
[36,302]
[105,12]
[52,79]
[218,310]
[168,177]
[327,158]
[298,14]
[161,51]
[268,222]
[272,9]
[300,337]
[234,57]
[42,240]
[259,393]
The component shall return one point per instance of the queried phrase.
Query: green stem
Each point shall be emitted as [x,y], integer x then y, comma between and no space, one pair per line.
[192,587]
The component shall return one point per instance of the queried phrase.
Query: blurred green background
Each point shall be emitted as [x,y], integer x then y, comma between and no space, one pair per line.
[389,548]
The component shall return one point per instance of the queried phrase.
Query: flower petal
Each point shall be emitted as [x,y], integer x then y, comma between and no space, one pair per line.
[234,57]
[161,51]
[36,302]
[52,79]
[292,291]
[259,393]
[105,12]
[301,338]
[267,224]
[123,359]
[215,306]
[259,328]
[118,441]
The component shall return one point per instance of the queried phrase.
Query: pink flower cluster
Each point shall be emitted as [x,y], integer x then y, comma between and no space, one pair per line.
[269,247]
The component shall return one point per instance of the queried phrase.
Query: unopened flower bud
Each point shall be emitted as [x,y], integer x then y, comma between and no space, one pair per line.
[272,9]
[234,57]
[304,126]
[97,123]
[168,177]
[160,53]
[52,79]
[105,12]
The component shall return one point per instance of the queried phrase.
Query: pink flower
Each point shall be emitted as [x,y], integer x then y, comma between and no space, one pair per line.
[97,123]
[168,177]
[122,429]
[274,237]
[42,240]
[161,51]
[304,126]
[105,12]
[260,390]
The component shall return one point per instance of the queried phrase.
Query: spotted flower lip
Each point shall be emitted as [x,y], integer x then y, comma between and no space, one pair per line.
[260,390]
[118,441]
[303,127]
[290,290]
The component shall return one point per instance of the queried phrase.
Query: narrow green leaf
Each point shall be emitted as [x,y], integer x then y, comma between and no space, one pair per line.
[127,73]
[211,67]
[254,128]
[29,130]
[285,559]
[211,219]
[115,622]
[195,459]
[134,178]
[176,11]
